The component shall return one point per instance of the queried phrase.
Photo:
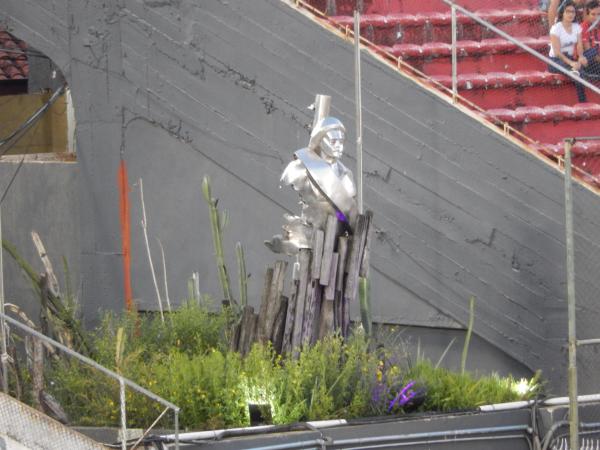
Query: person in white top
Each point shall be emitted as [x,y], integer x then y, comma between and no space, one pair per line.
[554,6]
[566,44]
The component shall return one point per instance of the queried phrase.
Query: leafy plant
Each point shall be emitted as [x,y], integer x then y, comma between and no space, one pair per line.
[187,361]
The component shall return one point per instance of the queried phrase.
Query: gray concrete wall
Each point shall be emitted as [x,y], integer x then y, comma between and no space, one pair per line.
[44,198]
[181,90]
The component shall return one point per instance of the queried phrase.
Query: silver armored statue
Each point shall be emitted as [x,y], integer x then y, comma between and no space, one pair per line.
[325,186]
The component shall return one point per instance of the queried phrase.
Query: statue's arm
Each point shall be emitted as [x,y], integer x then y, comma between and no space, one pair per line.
[295,175]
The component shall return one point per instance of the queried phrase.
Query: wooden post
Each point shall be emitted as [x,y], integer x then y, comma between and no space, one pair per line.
[330,289]
[311,313]
[304,258]
[279,325]
[356,251]
[328,248]
[318,239]
[247,331]
[340,282]
[275,296]
[341,270]
[286,346]
[37,369]
[264,303]
[366,253]
[234,344]
[326,325]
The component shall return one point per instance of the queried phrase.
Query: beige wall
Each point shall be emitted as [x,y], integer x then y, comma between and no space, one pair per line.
[48,135]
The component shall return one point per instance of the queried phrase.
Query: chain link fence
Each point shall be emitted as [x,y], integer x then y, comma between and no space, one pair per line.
[493,56]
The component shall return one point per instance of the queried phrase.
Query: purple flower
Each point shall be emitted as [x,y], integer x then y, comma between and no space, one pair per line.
[403,397]
[341,216]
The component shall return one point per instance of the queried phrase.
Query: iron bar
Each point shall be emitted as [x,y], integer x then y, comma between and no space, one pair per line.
[145,433]
[176,424]
[439,441]
[123,407]
[358,101]
[313,443]
[90,362]
[525,47]
[454,58]
[387,441]
[572,370]
[4,355]
[434,434]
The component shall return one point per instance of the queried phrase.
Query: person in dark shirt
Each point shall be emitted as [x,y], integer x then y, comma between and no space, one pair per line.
[555,6]
[590,36]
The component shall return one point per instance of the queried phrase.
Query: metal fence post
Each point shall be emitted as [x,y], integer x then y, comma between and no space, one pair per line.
[572,374]
[123,413]
[358,105]
[4,355]
[454,58]
[176,420]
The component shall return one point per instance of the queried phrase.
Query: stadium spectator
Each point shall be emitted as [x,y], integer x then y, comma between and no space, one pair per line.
[555,6]
[590,36]
[566,44]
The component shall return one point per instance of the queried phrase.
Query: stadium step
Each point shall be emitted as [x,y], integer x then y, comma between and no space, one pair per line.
[511,90]
[488,55]
[585,157]
[553,123]
[400,28]
[346,7]
[510,84]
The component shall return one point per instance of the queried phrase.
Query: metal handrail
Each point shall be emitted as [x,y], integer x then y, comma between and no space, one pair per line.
[403,67]
[121,379]
[520,44]
[424,80]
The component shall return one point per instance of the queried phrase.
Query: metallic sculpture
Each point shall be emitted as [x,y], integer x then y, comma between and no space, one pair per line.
[325,186]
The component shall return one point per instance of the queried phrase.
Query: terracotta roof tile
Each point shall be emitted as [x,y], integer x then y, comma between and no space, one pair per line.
[13,64]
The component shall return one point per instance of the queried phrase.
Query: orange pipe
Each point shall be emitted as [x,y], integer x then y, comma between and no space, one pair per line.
[125,233]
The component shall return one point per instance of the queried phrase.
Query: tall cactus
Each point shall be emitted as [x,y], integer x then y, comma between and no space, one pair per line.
[217,234]
[242,277]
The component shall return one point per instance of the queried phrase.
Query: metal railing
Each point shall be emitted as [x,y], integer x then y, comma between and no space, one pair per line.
[451,93]
[123,383]
[573,342]
[455,7]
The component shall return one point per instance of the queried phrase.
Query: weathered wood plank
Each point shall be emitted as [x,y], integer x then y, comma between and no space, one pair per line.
[318,238]
[364,264]
[304,257]
[328,247]
[310,327]
[251,334]
[330,289]
[341,270]
[286,346]
[247,329]
[264,303]
[234,343]
[275,292]
[345,325]
[307,320]
[358,243]
[326,322]
[52,280]
[337,311]
[279,325]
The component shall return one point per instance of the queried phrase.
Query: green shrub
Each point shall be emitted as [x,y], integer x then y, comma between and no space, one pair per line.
[186,360]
